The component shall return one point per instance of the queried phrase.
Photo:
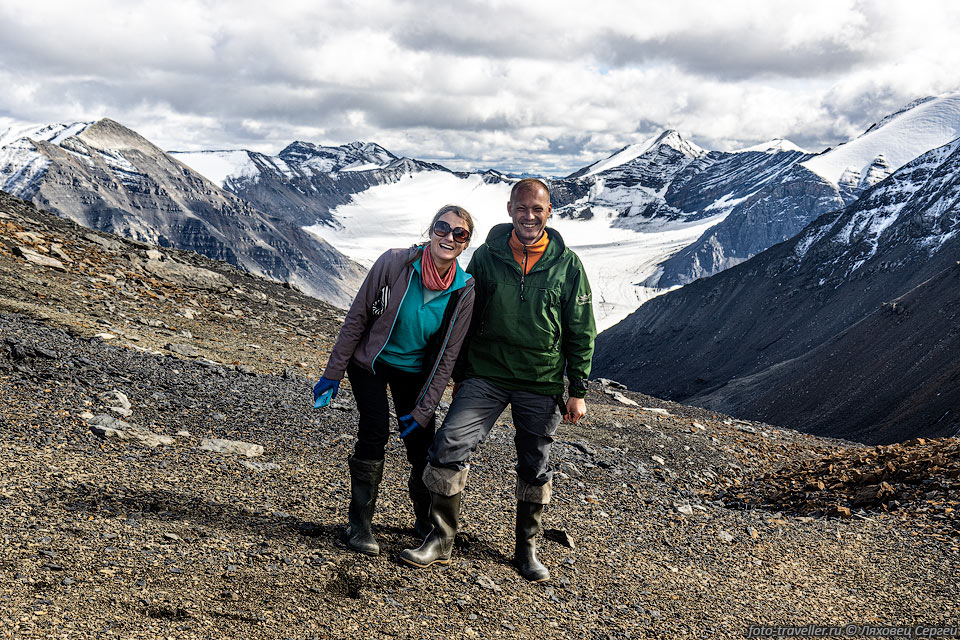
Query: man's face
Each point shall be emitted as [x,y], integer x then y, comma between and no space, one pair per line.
[529,209]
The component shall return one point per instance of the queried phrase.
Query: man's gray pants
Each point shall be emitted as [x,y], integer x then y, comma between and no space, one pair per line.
[472,414]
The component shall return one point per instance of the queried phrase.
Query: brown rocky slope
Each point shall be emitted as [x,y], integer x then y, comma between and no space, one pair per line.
[667,520]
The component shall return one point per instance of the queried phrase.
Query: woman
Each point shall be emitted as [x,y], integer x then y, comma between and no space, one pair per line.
[404,329]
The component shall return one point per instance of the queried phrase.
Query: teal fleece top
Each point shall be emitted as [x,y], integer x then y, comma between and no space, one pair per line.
[419,317]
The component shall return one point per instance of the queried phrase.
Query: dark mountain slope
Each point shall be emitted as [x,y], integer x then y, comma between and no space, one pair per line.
[906,356]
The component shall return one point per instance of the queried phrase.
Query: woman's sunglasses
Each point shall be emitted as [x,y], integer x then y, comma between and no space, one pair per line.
[441,228]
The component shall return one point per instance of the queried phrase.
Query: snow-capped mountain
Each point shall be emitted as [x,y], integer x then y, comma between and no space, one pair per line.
[754,198]
[355,156]
[236,166]
[633,180]
[922,125]
[639,157]
[105,176]
[773,146]
[305,181]
[820,184]
[650,217]
[847,329]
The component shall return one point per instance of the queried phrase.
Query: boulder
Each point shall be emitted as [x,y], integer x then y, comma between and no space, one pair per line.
[231,447]
[187,275]
[108,427]
[33,257]
[186,350]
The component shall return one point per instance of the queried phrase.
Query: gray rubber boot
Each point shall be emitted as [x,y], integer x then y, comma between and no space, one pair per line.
[365,476]
[445,518]
[420,497]
[525,556]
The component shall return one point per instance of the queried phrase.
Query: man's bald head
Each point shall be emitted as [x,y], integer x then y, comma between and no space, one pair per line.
[528,183]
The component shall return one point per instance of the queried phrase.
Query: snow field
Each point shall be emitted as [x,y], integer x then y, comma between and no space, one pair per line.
[616,260]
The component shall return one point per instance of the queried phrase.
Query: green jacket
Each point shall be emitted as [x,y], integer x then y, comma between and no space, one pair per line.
[527,330]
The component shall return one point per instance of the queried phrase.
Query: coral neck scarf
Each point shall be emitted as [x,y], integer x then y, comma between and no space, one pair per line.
[431,277]
[534,251]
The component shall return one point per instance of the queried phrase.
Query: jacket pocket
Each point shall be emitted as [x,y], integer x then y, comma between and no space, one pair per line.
[532,323]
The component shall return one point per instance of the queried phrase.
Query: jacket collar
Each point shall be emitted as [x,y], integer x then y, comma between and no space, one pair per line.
[498,243]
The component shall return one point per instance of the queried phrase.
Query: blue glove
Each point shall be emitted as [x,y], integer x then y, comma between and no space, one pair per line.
[324,391]
[407,425]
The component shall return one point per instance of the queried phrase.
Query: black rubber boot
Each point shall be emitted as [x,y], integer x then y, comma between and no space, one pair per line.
[525,556]
[420,497]
[445,518]
[365,476]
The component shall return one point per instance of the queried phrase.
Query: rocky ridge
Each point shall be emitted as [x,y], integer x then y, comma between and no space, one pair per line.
[305,181]
[219,512]
[107,177]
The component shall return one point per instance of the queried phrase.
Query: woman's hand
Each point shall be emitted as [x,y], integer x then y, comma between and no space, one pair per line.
[324,391]
[407,425]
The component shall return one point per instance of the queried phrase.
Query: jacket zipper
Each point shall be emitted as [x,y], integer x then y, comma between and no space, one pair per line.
[523,273]
[443,347]
[394,323]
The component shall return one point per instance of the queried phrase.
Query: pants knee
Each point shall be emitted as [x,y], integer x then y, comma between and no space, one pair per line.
[446,482]
[538,493]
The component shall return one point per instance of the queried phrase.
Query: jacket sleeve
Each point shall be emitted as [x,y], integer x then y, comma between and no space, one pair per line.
[357,321]
[431,397]
[474,269]
[579,329]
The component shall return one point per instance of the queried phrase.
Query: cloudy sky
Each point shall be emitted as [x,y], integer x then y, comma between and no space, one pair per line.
[542,87]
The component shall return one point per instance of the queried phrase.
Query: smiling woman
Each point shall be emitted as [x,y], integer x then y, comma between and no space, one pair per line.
[404,330]
[447,241]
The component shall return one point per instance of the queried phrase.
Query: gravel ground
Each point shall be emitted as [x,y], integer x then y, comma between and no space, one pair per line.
[104,537]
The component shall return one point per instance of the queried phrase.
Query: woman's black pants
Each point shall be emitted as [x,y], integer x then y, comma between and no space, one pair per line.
[370,390]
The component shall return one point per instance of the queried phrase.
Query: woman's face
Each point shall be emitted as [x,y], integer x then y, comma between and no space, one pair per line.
[446,248]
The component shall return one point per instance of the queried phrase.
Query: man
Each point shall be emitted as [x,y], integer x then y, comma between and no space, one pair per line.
[532,321]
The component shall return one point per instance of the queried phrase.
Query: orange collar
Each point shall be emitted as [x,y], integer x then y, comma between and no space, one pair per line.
[533,253]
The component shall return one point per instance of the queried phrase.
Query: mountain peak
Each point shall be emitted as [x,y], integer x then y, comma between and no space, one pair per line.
[776,145]
[672,138]
[352,156]
[110,134]
[666,138]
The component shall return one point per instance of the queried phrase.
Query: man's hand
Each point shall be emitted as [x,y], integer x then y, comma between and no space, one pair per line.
[576,409]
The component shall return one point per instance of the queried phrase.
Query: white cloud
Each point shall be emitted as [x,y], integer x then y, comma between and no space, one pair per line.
[536,86]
